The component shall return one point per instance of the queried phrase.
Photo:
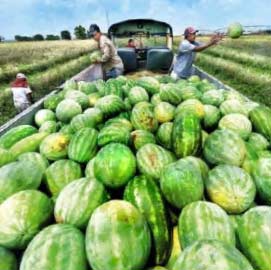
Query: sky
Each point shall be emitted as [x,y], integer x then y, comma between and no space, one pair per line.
[29,17]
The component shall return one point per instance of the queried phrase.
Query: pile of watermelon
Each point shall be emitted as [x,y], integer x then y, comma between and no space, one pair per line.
[138,174]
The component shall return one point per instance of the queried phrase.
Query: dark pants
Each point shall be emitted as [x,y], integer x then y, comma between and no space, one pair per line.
[113,73]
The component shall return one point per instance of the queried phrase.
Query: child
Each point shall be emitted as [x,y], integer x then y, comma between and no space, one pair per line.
[22,94]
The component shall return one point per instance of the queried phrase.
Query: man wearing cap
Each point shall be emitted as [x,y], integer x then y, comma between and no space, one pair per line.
[111,62]
[22,94]
[183,67]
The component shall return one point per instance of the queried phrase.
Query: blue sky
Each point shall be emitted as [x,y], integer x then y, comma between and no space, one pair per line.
[28,17]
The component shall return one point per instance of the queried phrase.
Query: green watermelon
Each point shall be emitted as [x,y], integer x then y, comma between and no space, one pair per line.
[49,127]
[67,109]
[16,134]
[89,170]
[212,255]
[170,93]
[8,260]
[258,141]
[95,114]
[199,164]
[43,116]
[52,101]
[191,105]
[87,87]
[85,195]
[164,135]
[70,85]
[110,105]
[120,225]
[93,98]
[233,106]
[155,99]
[18,176]
[164,112]
[190,92]
[235,30]
[212,97]
[113,87]
[205,221]
[231,188]
[81,121]
[141,137]
[175,249]
[224,147]
[113,134]
[79,97]
[119,121]
[67,129]
[152,158]
[186,135]
[114,165]
[83,145]
[143,117]
[254,232]
[6,157]
[60,173]
[63,245]
[181,183]
[137,94]
[211,116]
[150,84]
[252,156]
[55,146]
[22,215]
[145,195]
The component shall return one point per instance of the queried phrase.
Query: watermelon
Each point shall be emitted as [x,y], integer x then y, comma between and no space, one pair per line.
[60,173]
[55,146]
[89,170]
[16,134]
[113,134]
[143,117]
[79,97]
[252,156]
[231,188]
[141,137]
[96,114]
[224,147]
[67,129]
[235,30]
[43,116]
[254,232]
[93,98]
[262,176]
[22,216]
[119,121]
[233,106]
[212,97]
[212,255]
[137,94]
[70,85]
[114,165]
[205,221]
[63,245]
[175,249]
[211,116]
[52,101]
[258,141]
[120,225]
[110,105]
[238,123]
[49,127]
[181,183]
[150,84]
[8,260]
[186,135]
[155,99]
[83,145]
[81,121]
[87,87]
[170,93]
[95,56]
[6,157]
[190,92]
[191,105]
[18,176]
[260,118]
[234,95]
[164,112]
[152,158]
[145,195]
[67,109]
[164,135]
[85,194]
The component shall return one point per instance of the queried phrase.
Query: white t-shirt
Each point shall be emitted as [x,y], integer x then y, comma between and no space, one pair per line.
[20,95]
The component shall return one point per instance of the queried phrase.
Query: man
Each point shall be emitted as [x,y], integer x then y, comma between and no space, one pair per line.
[111,62]
[22,94]
[131,43]
[183,67]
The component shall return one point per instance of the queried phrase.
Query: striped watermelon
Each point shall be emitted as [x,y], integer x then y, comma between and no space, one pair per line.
[254,232]
[113,134]
[164,135]
[252,156]
[93,98]
[49,127]
[232,106]
[258,141]
[119,121]
[67,109]
[60,173]
[212,255]
[22,216]
[110,105]
[89,170]
[52,101]
[164,112]
[114,165]
[6,157]
[79,97]
[181,183]
[8,260]
[205,221]
[186,135]
[261,120]
[120,225]
[95,114]
[18,176]
[16,134]
[231,188]
[143,117]
[113,87]
[238,123]
[224,147]
[175,249]
[137,94]
[155,99]
[213,97]
[170,93]
[83,145]
[211,116]
[191,105]
[43,116]
[145,195]
[127,104]
[190,92]
[152,158]
[141,137]
[55,146]
[85,195]
[60,246]
[150,84]
[81,121]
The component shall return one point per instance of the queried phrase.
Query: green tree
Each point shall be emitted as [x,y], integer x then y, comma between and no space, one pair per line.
[38,37]
[52,37]
[65,34]
[80,32]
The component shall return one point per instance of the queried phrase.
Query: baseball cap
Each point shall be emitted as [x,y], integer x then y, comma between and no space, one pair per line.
[190,30]
[93,29]
[20,76]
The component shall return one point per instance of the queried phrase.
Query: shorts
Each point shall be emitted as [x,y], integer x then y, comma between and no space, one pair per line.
[113,73]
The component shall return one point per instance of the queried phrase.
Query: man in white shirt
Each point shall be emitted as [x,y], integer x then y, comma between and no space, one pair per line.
[183,67]
[22,94]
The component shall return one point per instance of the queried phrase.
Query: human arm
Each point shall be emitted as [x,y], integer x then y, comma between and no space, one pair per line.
[29,95]
[215,39]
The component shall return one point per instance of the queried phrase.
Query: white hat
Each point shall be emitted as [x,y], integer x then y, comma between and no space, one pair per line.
[20,76]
